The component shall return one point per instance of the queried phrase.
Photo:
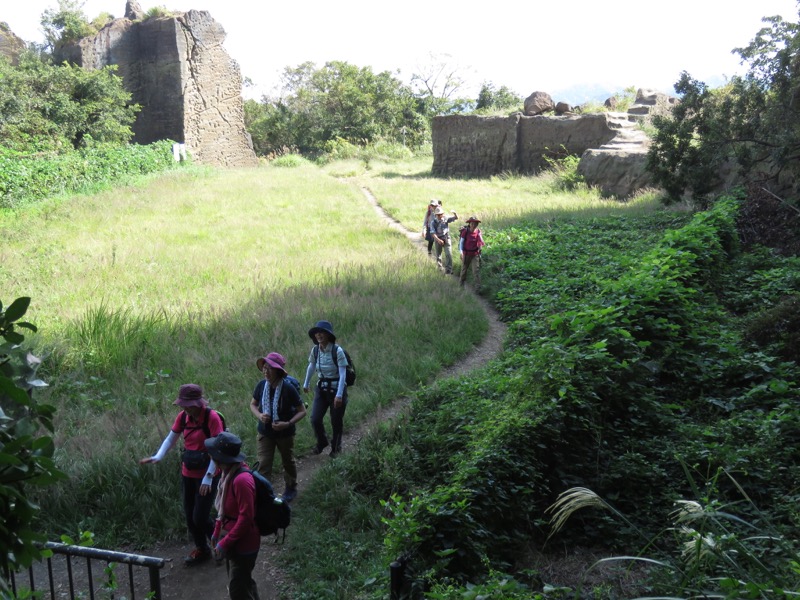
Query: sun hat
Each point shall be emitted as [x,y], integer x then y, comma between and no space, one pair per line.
[225,448]
[321,326]
[438,211]
[473,219]
[274,360]
[189,395]
[434,202]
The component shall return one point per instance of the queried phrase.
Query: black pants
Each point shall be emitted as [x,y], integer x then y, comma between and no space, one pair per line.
[197,509]
[323,400]
[241,585]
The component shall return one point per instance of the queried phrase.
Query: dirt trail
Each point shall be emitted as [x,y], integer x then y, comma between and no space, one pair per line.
[209,580]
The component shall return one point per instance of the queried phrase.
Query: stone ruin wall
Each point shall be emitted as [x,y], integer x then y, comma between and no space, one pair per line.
[188,86]
[466,145]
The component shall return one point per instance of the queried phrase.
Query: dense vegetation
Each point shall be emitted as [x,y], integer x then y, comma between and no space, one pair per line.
[750,125]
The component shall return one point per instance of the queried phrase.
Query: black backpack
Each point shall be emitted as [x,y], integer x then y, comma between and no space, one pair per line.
[349,370]
[206,428]
[273,514]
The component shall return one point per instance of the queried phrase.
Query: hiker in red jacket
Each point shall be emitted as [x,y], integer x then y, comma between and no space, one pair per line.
[236,537]
[470,246]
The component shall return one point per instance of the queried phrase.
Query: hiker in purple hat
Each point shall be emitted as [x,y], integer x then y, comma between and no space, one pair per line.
[277,405]
[199,474]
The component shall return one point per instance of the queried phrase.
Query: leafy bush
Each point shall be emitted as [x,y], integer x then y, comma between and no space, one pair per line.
[26,177]
[26,454]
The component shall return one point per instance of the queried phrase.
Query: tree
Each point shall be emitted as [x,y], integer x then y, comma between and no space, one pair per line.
[753,122]
[46,107]
[26,450]
[67,23]
[438,83]
[490,99]
[336,101]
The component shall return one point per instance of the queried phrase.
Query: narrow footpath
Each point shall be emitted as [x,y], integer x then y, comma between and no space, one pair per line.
[209,580]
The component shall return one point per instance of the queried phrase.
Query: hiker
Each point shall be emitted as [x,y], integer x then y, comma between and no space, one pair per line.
[427,223]
[470,246]
[277,405]
[199,475]
[235,537]
[441,236]
[331,390]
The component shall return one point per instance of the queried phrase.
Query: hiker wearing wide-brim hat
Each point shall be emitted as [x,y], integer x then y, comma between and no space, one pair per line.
[441,237]
[329,361]
[235,536]
[427,223]
[470,244]
[277,406]
[199,474]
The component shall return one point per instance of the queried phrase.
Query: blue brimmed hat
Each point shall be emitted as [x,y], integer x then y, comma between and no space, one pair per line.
[321,326]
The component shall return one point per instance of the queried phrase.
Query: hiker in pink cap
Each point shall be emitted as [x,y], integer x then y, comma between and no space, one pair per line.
[277,405]
[199,474]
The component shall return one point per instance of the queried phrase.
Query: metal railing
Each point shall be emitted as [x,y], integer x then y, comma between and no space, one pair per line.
[35,575]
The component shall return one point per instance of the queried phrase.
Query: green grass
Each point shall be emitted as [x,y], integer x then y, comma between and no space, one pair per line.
[191,278]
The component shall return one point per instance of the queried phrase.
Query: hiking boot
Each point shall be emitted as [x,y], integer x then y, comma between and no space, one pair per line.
[318,449]
[197,556]
[289,494]
[336,452]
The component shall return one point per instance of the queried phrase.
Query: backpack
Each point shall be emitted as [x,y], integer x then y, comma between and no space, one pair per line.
[349,370]
[206,428]
[295,383]
[272,513]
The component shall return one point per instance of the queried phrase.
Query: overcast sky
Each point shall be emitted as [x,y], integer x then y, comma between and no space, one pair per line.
[526,46]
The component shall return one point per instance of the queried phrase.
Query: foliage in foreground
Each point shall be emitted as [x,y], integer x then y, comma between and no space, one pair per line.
[26,452]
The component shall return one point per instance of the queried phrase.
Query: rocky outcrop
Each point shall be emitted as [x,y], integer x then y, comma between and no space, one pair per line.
[617,168]
[188,86]
[612,146]
[11,46]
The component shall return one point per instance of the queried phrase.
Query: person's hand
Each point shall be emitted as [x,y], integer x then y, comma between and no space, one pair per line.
[337,402]
[204,489]
[148,460]
[305,389]
[219,553]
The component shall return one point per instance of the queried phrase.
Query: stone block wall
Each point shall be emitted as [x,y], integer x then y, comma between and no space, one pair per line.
[178,71]
[474,146]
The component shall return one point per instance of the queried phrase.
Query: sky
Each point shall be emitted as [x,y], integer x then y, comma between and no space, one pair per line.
[553,47]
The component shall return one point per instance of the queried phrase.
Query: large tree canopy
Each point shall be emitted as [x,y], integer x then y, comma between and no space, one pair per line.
[336,101]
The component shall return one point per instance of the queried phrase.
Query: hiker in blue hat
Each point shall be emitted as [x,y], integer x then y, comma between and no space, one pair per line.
[329,361]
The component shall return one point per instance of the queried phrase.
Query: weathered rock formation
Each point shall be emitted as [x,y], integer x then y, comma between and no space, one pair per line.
[177,69]
[11,46]
[612,147]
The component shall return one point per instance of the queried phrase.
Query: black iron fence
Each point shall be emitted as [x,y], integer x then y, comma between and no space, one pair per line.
[65,579]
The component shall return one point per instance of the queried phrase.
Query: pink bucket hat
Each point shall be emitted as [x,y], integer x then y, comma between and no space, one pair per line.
[189,395]
[274,360]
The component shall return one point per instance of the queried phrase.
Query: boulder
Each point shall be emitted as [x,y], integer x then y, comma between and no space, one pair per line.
[133,11]
[649,103]
[562,108]
[538,103]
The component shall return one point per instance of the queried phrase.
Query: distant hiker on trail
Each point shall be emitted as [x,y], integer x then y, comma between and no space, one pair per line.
[427,223]
[277,405]
[470,246]
[235,537]
[199,475]
[331,390]
[441,236]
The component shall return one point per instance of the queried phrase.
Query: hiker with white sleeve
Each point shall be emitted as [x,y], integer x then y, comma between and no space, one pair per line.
[331,389]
